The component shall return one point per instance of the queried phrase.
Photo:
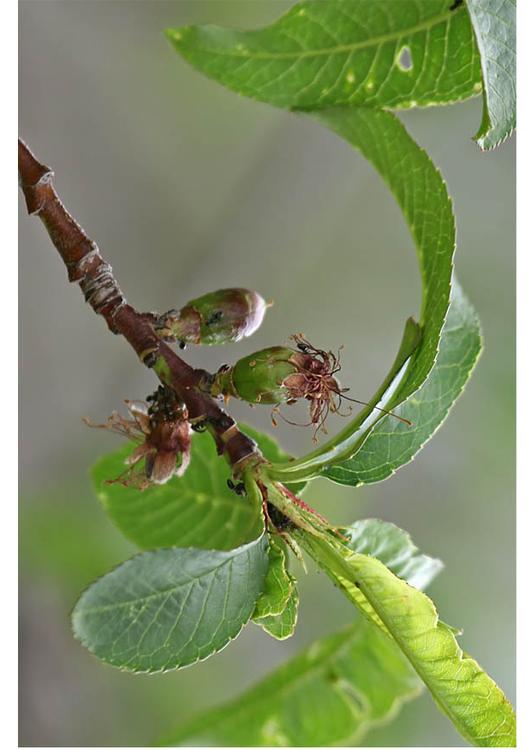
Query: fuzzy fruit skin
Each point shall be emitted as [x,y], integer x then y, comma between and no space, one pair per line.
[259,378]
[220,317]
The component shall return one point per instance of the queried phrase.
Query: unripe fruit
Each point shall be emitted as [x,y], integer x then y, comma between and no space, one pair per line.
[220,317]
[282,375]
[279,375]
[260,378]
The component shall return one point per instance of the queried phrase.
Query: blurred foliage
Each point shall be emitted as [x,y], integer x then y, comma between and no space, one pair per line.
[65,540]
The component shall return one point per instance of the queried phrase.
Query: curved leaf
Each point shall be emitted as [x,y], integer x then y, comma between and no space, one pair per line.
[172,607]
[395,549]
[392,53]
[421,194]
[195,510]
[282,625]
[390,445]
[277,607]
[462,690]
[383,541]
[494,23]
[294,63]
[331,693]
[277,583]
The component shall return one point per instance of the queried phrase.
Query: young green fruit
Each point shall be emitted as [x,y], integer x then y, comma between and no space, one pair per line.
[282,375]
[220,317]
[260,378]
[279,375]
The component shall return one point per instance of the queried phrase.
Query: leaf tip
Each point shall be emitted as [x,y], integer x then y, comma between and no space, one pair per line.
[176,35]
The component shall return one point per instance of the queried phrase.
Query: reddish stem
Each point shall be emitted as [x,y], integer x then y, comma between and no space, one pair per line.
[87,267]
[297,501]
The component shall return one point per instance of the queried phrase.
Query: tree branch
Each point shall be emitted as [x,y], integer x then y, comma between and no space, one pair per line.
[87,267]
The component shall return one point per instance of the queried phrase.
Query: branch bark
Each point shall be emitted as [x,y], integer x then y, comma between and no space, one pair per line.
[92,272]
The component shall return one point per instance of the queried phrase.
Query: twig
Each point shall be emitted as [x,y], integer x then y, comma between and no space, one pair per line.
[87,267]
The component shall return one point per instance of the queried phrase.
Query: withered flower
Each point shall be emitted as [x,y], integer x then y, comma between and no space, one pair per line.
[163,434]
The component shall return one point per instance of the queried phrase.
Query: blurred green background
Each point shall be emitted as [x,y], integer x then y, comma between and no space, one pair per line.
[187,187]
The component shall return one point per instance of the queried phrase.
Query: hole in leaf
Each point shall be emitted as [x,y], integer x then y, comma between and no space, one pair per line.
[405,60]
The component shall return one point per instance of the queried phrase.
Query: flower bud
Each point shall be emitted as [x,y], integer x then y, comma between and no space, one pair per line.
[220,317]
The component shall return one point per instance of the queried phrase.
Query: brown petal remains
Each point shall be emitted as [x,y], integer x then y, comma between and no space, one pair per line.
[163,467]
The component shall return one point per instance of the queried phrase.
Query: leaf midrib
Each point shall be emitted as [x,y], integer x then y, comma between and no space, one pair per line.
[418,664]
[358,560]
[338,49]
[179,498]
[155,594]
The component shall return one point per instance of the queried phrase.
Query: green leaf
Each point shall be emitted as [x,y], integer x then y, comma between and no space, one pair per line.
[383,541]
[195,510]
[80,544]
[170,608]
[282,625]
[394,547]
[277,607]
[341,686]
[331,693]
[494,23]
[462,690]
[277,583]
[391,445]
[421,194]
[390,53]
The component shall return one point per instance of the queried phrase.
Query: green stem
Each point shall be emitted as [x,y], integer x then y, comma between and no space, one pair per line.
[301,515]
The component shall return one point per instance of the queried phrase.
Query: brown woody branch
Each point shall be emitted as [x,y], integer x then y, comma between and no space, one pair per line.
[94,275]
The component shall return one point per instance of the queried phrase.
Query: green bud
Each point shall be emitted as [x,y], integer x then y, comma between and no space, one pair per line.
[220,317]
